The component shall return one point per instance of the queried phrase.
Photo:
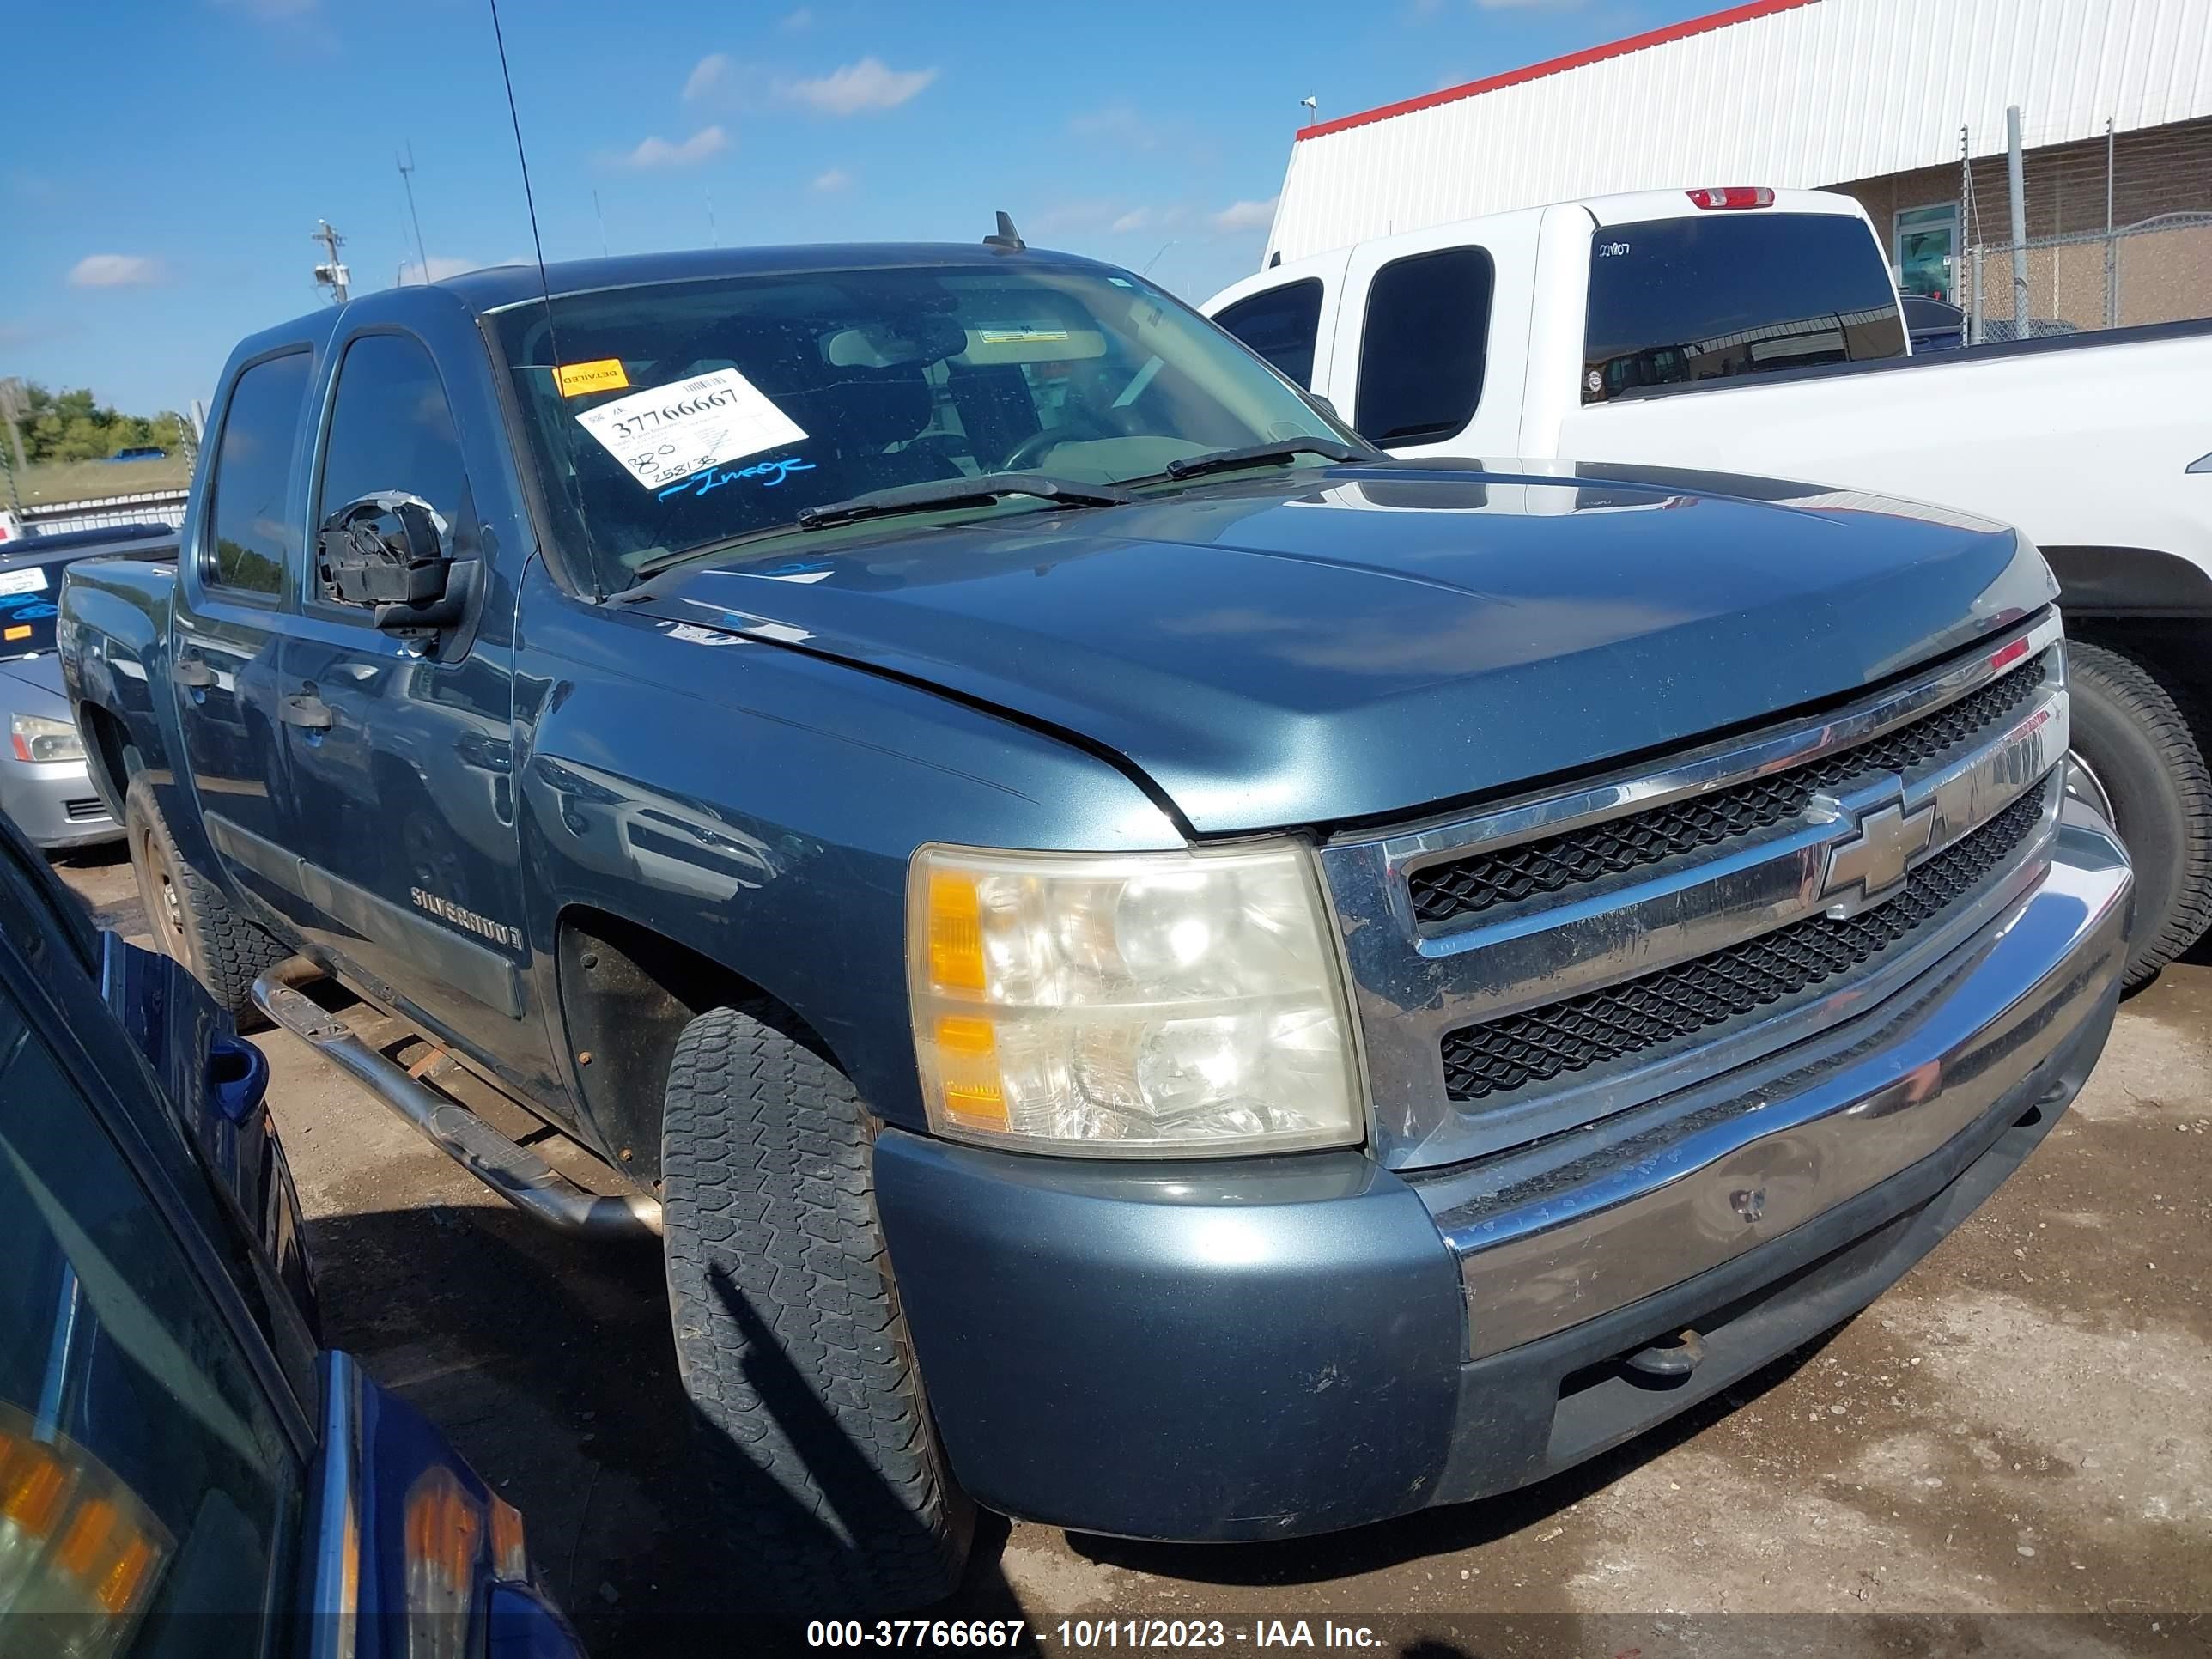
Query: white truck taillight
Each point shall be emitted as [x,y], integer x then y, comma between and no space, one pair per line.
[1732,196]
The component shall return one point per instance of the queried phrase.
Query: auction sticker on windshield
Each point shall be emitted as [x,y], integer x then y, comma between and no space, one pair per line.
[672,431]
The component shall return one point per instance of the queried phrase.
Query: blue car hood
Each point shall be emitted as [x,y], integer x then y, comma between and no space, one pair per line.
[33,685]
[1360,642]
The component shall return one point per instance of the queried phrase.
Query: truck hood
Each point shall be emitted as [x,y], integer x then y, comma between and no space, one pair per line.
[1359,642]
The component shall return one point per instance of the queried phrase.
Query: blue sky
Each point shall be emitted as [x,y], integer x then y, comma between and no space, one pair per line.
[164,164]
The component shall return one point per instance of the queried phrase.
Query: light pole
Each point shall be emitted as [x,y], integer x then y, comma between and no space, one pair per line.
[407,178]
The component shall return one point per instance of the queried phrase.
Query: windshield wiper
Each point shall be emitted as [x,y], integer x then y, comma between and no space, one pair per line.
[1281,454]
[907,498]
[960,492]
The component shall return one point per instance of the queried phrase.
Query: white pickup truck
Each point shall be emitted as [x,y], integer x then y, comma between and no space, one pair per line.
[1754,332]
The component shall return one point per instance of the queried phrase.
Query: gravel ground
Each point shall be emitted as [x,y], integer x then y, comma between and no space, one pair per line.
[2022,1426]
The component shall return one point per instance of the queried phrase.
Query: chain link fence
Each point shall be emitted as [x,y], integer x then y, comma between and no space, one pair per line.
[2117,230]
[2149,272]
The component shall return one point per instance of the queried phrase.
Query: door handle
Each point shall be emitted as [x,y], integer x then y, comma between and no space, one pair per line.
[305,710]
[191,672]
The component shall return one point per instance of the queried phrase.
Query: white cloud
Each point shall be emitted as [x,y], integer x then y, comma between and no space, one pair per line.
[1246,216]
[706,74]
[114,270]
[832,181]
[442,265]
[1081,214]
[870,84]
[658,152]
[1117,124]
[801,19]
[1136,219]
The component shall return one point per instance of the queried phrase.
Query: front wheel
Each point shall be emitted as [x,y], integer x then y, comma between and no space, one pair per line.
[2147,775]
[789,1333]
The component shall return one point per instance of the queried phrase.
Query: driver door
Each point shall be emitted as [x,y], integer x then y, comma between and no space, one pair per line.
[399,748]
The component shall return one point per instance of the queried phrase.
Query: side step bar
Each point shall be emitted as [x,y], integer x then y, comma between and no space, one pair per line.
[515,1173]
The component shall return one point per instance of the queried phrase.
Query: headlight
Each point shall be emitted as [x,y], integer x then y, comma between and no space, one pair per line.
[1161,1005]
[35,738]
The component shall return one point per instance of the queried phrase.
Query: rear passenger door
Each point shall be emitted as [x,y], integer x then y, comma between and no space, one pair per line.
[1431,339]
[237,569]
[409,853]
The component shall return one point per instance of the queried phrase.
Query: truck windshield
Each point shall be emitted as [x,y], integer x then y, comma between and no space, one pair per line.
[29,595]
[1723,294]
[680,416]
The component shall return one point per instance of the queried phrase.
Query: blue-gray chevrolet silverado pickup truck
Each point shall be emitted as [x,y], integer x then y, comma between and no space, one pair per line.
[1155,969]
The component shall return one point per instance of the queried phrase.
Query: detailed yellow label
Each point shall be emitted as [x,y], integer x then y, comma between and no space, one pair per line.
[606,374]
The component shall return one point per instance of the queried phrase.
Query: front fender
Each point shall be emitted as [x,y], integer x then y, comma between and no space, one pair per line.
[758,805]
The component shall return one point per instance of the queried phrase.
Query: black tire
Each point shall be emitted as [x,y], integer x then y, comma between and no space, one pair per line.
[788,1335]
[189,919]
[2138,743]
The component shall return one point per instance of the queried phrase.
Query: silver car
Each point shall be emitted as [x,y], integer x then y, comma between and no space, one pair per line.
[46,790]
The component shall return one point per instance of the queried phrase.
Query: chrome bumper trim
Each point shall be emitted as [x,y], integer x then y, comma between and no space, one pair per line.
[1732,1167]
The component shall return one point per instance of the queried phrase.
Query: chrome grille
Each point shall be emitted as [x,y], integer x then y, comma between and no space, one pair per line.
[1444,892]
[1634,934]
[1697,995]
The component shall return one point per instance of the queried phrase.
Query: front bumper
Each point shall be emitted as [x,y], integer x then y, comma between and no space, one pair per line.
[54,804]
[1269,1348]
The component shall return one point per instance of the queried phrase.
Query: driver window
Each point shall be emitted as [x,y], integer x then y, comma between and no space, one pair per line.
[392,429]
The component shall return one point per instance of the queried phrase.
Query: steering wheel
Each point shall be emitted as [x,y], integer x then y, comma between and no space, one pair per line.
[1081,423]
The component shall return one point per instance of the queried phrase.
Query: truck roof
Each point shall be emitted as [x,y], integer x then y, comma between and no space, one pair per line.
[1619,207]
[497,287]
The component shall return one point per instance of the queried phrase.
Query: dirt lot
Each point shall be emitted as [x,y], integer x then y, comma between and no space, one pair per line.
[2023,1426]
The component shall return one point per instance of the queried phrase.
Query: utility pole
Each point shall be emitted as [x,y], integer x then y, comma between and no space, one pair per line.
[330,274]
[407,178]
[2014,178]
[11,412]
[713,236]
[599,213]
[2111,244]
[1965,217]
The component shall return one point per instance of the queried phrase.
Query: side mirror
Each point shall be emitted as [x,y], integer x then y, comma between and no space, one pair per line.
[388,551]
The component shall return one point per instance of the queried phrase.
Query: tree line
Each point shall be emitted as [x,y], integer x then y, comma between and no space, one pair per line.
[73,425]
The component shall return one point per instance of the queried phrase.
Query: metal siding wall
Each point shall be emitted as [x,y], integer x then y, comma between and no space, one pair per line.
[1830,92]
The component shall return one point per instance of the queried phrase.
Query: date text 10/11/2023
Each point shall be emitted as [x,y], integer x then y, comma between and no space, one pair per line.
[1092,1635]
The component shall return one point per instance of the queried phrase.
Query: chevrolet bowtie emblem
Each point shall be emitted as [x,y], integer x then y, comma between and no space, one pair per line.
[1865,867]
